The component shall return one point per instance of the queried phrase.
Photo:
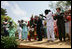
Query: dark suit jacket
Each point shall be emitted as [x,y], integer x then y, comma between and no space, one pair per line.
[39,23]
[60,19]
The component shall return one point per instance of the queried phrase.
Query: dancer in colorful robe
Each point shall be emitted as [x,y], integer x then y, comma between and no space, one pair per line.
[32,34]
[29,31]
[35,30]
[12,29]
[25,31]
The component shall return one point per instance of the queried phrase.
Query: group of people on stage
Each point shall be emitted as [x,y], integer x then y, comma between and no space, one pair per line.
[47,26]
[8,28]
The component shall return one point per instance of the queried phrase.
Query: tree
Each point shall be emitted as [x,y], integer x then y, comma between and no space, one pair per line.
[3,15]
[63,4]
[3,11]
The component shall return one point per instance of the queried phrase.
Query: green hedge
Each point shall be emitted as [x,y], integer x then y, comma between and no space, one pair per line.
[7,42]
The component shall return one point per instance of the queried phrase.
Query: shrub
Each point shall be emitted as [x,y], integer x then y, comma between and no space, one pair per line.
[7,42]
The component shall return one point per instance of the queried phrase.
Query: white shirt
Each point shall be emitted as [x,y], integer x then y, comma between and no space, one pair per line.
[19,29]
[49,19]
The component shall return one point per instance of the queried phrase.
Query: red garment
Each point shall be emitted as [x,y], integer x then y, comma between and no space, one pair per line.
[32,18]
[56,29]
[69,18]
[29,36]
[28,23]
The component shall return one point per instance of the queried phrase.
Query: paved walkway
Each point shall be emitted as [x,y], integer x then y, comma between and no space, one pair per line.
[44,44]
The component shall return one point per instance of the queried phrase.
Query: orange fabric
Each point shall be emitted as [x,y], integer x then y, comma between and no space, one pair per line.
[69,18]
[56,31]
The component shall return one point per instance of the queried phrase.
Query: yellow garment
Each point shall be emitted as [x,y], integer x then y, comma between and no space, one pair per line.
[44,22]
[28,33]
[35,33]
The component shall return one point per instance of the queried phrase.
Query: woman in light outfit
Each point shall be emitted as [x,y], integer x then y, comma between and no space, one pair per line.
[24,31]
[12,29]
[19,29]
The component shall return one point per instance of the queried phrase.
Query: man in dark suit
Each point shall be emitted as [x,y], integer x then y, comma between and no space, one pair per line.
[39,33]
[60,23]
